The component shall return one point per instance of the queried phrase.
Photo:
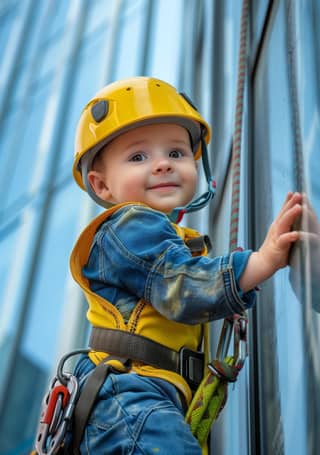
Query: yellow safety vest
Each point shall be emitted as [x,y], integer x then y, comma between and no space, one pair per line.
[144,320]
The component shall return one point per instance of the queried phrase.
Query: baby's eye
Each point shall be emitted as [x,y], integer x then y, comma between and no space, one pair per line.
[175,154]
[137,157]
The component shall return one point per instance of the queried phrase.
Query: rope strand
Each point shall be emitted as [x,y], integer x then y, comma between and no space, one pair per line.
[237,136]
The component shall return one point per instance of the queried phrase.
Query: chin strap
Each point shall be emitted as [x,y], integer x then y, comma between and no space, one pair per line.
[177,214]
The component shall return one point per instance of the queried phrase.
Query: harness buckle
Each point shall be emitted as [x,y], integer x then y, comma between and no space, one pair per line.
[56,413]
[192,366]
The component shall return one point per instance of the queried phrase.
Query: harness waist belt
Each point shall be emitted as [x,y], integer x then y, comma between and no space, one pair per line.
[187,363]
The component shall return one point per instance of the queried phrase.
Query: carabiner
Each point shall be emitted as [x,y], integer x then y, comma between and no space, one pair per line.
[236,325]
[57,410]
[240,340]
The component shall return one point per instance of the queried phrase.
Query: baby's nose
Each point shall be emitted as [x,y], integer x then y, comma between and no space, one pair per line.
[163,166]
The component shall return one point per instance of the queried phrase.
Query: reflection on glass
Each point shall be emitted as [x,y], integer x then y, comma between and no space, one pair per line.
[305,259]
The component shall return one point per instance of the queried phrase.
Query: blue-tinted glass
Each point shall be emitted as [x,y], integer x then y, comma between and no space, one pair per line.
[7,163]
[308,57]
[7,16]
[223,69]
[57,34]
[8,236]
[46,308]
[23,146]
[84,87]
[258,15]
[21,407]
[51,60]
[43,43]
[31,37]
[130,43]
[58,12]
[98,16]
[308,14]
[167,31]
[286,99]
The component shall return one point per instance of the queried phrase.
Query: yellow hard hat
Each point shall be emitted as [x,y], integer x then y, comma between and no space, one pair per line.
[125,105]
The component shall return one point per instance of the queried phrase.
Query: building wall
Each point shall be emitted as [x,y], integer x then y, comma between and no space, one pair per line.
[284,149]
[55,55]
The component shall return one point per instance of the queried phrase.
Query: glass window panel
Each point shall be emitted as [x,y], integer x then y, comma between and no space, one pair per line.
[20,80]
[57,34]
[21,408]
[7,16]
[288,364]
[8,125]
[58,12]
[97,16]
[32,61]
[38,341]
[131,44]
[309,83]
[307,15]
[31,36]
[167,31]
[24,145]
[258,14]
[8,237]
[50,57]
[84,87]
[46,308]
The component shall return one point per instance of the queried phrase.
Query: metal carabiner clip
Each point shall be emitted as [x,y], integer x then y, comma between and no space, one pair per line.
[236,325]
[57,410]
[240,350]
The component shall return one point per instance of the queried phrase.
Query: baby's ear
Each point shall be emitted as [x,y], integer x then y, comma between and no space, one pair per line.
[98,184]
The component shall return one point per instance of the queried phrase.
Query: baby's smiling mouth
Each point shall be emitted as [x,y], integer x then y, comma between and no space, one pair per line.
[163,185]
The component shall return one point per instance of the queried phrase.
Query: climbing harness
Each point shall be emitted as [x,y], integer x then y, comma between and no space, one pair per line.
[65,409]
[211,395]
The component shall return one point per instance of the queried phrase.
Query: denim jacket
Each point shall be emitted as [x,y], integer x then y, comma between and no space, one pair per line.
[137,254]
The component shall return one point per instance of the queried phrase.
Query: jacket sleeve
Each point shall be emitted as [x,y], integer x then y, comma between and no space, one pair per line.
[139,250]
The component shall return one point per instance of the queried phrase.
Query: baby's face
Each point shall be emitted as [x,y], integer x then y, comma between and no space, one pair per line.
[151,164]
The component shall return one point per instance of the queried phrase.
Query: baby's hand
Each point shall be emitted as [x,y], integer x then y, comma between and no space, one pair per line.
[274,252]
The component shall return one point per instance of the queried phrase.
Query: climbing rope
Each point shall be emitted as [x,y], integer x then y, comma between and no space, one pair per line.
[237,135]
[211,395]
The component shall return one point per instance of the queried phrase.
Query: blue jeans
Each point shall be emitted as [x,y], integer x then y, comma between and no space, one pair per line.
[135,415]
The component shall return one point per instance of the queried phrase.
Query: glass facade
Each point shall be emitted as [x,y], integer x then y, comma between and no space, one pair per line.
[285,139]
[54,56]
